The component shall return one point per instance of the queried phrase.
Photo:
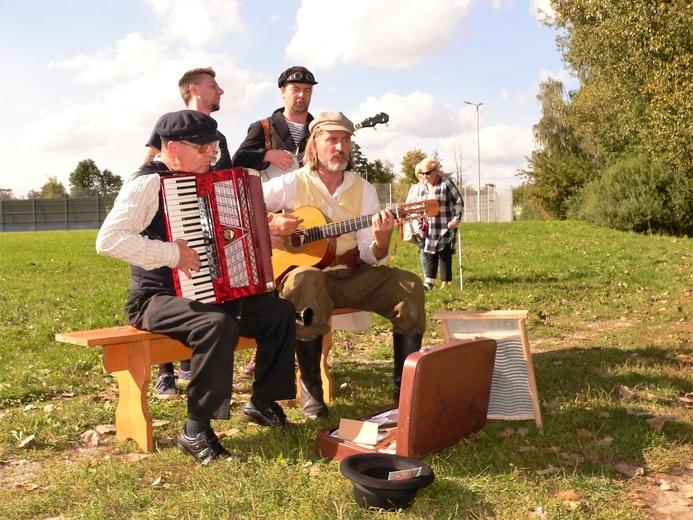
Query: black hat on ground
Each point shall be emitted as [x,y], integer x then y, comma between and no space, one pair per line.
[188,125]
[296,75]
[379,481]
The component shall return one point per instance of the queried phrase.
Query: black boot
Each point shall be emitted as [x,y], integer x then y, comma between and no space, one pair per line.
[405,344]
[308,355]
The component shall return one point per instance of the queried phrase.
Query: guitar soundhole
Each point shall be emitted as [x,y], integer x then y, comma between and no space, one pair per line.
[295,240]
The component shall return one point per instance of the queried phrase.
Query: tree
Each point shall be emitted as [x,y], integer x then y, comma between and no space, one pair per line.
[88,181]
[633,59]
[379,172]
[558,168]
[6,194]
[409,162]
[458,178]
[360,161]
[53,189]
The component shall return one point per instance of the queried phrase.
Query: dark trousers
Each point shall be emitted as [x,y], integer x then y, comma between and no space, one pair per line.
[212,332]
[442,258]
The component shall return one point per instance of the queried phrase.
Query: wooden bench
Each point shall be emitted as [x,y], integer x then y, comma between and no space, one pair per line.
[129,354]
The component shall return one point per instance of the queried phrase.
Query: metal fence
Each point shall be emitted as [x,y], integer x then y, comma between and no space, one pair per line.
[54,214]
[90,212]
[494,204]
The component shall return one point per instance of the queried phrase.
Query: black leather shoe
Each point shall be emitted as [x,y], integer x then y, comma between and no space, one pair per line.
[272,415]
[205,447]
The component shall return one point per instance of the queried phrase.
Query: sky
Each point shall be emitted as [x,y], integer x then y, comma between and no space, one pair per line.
[87,79]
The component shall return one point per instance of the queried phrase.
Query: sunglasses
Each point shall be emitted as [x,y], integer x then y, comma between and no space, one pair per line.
[202,148]
[428,172]
[297,76]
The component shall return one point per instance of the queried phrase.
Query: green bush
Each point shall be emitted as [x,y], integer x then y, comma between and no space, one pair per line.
[634,194]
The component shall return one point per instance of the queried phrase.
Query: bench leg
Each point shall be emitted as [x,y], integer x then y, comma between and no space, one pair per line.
[132,417]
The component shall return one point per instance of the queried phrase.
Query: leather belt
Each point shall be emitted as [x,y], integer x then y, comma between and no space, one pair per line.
[351,259]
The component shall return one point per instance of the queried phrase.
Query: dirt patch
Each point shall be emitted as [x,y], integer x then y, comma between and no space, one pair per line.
[666,496]
[18,472]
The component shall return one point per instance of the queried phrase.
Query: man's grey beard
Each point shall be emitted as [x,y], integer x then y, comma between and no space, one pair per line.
[335,167]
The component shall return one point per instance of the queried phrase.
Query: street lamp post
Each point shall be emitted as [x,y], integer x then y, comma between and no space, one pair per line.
[478,161]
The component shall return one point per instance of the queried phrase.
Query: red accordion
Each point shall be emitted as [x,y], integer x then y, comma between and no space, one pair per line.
[222,216]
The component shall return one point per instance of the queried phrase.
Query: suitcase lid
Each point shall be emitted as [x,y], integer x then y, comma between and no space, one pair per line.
[444,395]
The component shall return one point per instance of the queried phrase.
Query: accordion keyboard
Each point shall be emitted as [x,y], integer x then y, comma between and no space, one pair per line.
[185,222]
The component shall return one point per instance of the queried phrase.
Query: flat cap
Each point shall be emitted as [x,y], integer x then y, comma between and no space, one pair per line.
[188,125]
[332,121]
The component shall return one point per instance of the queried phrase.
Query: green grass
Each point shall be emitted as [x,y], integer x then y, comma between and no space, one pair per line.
[607,310]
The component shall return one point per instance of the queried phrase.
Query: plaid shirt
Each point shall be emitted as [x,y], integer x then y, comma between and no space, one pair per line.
[451,205]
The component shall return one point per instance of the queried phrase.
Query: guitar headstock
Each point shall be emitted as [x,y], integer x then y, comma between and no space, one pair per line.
[379,119]
[422,208]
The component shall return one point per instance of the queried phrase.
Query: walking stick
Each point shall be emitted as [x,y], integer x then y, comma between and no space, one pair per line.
[459,254]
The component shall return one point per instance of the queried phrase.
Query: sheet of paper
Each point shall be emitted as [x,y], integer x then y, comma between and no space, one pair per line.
[362,432]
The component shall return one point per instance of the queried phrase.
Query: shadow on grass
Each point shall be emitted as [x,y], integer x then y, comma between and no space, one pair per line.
[583,407]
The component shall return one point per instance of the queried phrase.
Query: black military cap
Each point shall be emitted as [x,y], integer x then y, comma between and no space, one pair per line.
[296,75]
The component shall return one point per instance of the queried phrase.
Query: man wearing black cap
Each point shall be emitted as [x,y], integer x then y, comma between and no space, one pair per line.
[200,91]
[352,279]
[275,145]
[133,232]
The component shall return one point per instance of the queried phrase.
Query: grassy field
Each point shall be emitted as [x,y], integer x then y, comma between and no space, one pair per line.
[610,330]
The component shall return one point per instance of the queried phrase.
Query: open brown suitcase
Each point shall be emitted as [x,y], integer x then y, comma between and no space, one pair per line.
[444,397]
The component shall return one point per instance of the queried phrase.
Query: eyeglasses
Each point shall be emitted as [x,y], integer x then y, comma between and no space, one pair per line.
[428,172]
[202,148]
[297,76]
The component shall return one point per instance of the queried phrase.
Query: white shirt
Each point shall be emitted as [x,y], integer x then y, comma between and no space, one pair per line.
[280,194]
[133,210]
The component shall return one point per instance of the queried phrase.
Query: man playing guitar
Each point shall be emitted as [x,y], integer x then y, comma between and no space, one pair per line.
[352,278]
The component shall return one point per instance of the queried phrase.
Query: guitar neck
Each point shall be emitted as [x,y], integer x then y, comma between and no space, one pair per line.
[333,229]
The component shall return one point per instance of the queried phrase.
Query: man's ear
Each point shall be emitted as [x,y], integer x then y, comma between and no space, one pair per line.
[171,148]
[194,90]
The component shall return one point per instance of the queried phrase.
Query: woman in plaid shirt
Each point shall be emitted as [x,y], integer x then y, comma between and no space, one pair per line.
[440,239]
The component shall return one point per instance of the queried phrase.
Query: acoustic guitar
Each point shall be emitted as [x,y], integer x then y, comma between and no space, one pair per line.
[315,241]
[273,171]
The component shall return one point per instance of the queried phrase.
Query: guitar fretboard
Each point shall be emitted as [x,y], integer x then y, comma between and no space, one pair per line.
[334,229]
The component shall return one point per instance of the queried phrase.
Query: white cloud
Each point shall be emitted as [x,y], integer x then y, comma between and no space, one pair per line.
[502,4]
[389,34]
[130,58]
[541,10]
[417,115]
[566,77]
[419,121]
[197,22]
[102,105]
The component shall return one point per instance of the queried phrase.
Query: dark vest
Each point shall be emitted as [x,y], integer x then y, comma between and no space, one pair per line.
[160,279]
